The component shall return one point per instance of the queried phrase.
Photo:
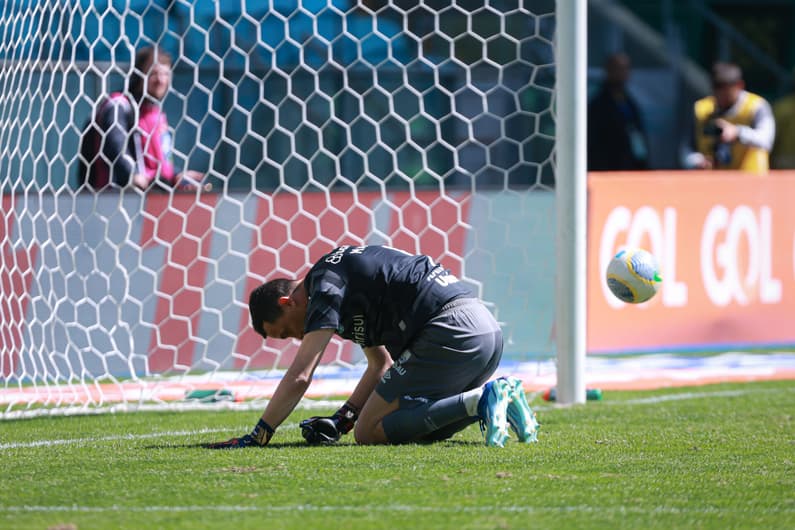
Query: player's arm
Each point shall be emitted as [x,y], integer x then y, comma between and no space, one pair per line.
[326,430]
[378,362]
[293,385]
[288,393]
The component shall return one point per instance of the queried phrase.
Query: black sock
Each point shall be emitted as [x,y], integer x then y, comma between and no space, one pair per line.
[419,417]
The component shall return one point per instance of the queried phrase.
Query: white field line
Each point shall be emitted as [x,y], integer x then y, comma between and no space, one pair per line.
[407,508]
[675,397]
[307,404]
[697,395]
[686,395]
[92,440]
[166,434]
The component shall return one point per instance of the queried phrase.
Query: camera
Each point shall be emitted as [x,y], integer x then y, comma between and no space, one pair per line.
[712,129]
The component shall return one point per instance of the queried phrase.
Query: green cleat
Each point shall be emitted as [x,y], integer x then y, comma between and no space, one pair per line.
[520,416]
[492,409]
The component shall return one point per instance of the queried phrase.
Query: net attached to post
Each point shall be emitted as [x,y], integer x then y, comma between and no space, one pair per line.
[425,126]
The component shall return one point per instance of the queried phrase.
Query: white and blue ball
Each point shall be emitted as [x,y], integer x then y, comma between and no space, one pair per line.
[633,275]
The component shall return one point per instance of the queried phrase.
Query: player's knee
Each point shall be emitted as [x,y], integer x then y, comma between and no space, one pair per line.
[360,435]
[368,434]
[369,428]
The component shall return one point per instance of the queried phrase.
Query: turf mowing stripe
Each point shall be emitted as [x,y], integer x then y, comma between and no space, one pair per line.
[380,508]
[164,434]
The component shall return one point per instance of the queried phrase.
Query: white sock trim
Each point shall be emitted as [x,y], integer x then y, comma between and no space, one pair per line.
[471,398]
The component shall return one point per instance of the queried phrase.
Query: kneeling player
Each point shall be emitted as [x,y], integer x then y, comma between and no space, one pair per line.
[430,347]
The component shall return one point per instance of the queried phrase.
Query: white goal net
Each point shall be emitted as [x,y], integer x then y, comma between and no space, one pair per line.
[426,126]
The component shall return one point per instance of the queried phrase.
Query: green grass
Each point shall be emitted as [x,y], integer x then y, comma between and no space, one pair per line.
[709,457]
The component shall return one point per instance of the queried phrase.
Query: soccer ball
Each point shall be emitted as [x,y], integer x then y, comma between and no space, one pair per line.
[633,275]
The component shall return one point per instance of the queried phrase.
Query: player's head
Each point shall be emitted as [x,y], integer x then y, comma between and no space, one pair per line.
[727,83]
[278,309]
[151,74]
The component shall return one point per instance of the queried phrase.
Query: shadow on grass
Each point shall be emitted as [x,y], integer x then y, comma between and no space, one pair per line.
[205,445]
[302,445]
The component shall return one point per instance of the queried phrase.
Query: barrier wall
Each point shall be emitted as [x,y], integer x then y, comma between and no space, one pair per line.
[726,246]
[120,284]
[113,284]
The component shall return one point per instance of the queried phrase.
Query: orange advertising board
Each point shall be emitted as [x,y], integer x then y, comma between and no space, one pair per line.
[725,242]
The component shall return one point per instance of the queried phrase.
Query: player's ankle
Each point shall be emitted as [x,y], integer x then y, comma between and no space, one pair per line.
[471,400]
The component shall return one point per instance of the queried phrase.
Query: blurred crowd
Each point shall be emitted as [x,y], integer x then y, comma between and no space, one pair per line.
[732,128]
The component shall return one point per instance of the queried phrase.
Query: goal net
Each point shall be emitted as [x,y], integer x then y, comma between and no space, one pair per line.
[427,126]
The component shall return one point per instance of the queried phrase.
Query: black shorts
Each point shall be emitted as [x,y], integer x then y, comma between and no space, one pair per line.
[457,350]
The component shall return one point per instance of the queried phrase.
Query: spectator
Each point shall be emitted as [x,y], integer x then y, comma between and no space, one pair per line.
[783,154]
[733,128]
[128,138]
[616,135]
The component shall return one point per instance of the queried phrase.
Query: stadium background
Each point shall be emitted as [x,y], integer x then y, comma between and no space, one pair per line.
[671,42]
[222,108]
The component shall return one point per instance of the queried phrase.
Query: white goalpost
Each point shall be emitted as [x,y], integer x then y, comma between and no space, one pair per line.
[428,126]
[572,64]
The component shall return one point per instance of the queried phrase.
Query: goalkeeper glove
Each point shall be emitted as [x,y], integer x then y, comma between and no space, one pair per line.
[328,430]
[345,418]
[319,430]
[260,437]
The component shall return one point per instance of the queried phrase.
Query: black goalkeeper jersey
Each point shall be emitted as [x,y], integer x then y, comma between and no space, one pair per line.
[376,295]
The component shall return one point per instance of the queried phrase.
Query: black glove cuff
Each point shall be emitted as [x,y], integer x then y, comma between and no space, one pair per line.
[348,411]
[346,417]
[262,433]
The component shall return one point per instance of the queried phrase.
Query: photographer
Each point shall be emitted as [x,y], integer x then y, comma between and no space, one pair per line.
[733,128]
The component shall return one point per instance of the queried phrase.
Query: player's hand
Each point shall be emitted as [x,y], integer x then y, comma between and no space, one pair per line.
[233,443]
[320,430]
[259,437]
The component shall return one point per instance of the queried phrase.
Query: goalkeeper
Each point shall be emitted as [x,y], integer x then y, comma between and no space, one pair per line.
[430,345]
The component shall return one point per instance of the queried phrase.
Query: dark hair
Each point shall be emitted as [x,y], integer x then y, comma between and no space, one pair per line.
[263,303]
[144,60]
[724,74]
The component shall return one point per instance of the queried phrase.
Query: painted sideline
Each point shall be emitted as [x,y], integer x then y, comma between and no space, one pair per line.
[113,438]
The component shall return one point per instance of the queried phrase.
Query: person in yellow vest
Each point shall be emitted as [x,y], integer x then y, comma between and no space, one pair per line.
[734,128]
[783,154]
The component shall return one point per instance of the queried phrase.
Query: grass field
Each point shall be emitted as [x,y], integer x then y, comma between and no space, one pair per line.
[708,457]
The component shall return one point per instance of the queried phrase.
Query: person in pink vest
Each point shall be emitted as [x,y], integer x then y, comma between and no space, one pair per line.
[128,139]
